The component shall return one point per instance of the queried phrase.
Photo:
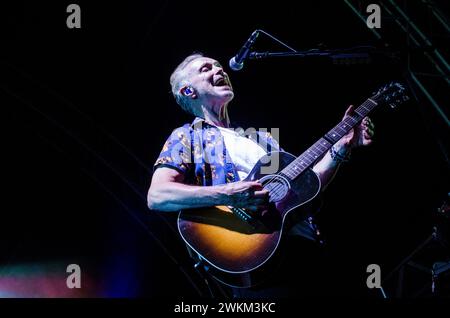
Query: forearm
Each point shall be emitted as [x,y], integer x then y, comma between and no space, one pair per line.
[327,167]
[174,196]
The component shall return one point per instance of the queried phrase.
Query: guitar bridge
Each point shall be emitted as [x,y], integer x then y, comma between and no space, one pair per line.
[243,215]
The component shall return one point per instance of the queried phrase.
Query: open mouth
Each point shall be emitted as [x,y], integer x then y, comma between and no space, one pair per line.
[221,82]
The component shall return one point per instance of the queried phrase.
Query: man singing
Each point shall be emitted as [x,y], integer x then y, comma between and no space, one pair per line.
[203,164]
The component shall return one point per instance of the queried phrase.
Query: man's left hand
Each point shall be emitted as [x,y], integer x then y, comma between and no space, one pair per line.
[361,135]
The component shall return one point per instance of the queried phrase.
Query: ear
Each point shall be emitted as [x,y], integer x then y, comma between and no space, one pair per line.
[188,91]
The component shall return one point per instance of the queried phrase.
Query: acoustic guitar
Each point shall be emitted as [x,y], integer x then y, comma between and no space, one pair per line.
[235,243]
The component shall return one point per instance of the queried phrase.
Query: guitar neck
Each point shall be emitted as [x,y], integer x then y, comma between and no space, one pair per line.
[306,159]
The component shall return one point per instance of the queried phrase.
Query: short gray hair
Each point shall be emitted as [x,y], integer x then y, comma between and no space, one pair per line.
[178,79]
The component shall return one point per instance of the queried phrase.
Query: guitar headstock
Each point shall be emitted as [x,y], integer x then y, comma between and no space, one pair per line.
[392,94]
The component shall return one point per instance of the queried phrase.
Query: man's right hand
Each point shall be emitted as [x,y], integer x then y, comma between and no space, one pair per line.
[247,194]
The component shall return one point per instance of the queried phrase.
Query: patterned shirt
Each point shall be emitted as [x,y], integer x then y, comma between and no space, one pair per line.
[198,151]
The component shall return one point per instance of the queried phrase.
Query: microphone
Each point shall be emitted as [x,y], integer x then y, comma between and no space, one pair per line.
[237,62]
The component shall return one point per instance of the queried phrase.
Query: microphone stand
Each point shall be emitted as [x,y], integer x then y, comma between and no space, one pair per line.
[339,56]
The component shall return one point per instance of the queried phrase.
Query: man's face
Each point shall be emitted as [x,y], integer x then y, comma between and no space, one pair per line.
[210,82]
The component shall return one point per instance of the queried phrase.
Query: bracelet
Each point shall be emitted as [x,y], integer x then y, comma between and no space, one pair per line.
[336,156]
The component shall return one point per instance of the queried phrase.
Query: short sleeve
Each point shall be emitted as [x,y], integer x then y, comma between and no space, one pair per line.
[176,152]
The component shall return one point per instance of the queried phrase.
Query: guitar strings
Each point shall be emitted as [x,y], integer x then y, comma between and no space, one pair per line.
[353,121]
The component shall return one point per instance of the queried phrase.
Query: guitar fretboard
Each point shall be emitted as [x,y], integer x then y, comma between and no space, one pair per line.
[305,160]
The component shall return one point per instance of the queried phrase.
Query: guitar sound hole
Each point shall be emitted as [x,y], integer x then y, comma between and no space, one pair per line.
[277,186]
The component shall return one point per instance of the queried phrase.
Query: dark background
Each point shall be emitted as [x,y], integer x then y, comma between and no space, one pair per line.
[87,111]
